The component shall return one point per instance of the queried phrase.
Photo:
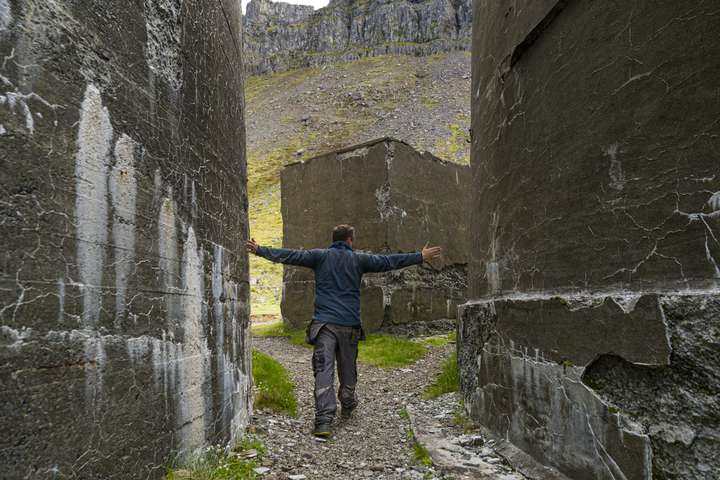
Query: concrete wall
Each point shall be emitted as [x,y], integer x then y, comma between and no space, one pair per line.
[397,199]
[124,284]
[595,227]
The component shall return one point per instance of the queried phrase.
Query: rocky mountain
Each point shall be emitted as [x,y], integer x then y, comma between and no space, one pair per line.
[280,36]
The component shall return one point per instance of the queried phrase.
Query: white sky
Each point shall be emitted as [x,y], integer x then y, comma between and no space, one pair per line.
[315,3]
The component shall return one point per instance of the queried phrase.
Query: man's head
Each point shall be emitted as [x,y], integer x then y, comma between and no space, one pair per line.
[344,233]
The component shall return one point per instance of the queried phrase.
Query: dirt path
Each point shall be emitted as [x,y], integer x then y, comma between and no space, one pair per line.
[372,444]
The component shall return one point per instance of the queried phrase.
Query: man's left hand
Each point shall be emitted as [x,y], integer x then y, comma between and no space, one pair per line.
[430,253]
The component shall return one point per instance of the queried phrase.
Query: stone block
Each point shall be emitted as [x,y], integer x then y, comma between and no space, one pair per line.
[397,199]
[595,203]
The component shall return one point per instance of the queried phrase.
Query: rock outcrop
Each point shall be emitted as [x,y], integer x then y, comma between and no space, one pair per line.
[397,199]
[279,36]
[595,223]
[124,284]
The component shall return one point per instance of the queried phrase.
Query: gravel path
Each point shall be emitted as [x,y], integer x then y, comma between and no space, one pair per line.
[372,444]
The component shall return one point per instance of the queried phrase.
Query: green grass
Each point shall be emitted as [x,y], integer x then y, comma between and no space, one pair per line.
[441,340]
[275,391]
[388,351]
[448,380]
[384,351]
[215,463]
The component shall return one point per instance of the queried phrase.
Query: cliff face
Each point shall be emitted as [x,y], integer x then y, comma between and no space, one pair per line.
[279,36]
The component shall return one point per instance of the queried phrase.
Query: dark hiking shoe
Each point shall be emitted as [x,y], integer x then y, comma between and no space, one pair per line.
[347,412]
[322,430]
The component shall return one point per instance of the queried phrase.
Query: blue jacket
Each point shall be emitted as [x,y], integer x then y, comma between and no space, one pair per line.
[338,271]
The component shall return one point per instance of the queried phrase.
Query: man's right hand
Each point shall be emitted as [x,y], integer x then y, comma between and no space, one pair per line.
[430,253]
[252,246]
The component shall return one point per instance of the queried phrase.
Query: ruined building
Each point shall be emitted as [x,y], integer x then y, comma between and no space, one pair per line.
[398,199]
[124,300]
[592,341]
[281,36]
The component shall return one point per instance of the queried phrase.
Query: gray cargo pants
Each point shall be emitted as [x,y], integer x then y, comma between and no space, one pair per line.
[333,342]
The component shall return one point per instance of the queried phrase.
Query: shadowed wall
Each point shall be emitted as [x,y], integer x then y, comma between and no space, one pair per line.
[124,284]
[595,235]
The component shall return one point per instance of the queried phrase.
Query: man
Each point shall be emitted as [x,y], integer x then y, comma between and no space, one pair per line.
[335,329]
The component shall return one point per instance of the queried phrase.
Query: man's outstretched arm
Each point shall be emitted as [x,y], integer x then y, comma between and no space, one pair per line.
[385,263]
[300,258]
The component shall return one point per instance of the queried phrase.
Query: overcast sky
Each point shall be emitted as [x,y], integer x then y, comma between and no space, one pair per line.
[315,3]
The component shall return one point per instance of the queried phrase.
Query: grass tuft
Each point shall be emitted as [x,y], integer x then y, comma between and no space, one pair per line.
[448,380]
[217,463]
[275,391]
[421,455]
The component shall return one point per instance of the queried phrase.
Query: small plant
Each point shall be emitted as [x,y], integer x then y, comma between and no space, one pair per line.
[567,363]
[613,409]
[448,380]
[218,463]
[404,413]
[275,391]
[421,455]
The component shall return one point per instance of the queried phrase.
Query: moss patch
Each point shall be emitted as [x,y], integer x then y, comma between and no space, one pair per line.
[454,147]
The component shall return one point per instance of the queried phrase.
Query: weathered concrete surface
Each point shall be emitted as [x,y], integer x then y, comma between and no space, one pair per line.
[638,334]
[397,199]
[594,139]
[123,284]
[594,266]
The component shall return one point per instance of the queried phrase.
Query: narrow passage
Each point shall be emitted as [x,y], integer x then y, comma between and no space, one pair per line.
[375,442]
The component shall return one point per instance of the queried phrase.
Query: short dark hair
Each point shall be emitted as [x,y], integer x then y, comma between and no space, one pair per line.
[343,232]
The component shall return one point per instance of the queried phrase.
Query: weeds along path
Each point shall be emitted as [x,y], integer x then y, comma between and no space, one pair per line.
[374,443]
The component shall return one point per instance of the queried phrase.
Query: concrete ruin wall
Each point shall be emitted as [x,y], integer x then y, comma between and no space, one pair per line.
[591,342]
[397,199]
[124,283]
